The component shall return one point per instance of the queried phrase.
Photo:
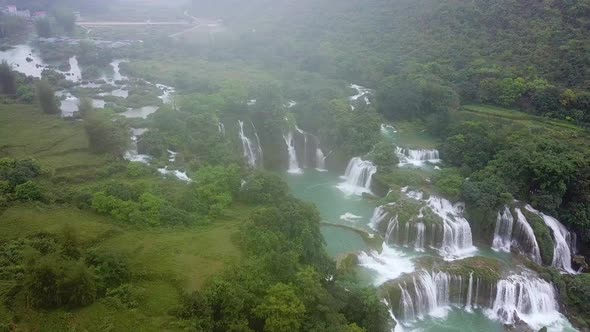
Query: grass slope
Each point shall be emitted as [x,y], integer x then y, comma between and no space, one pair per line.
[164,263]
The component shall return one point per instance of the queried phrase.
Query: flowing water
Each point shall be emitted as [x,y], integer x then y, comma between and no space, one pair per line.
[430,302]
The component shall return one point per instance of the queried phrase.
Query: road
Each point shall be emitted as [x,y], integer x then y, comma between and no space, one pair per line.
[122,23]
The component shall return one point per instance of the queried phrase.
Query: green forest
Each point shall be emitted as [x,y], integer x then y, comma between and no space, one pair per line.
[303,165]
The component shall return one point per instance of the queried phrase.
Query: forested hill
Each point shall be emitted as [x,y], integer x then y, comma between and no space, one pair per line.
[517,53]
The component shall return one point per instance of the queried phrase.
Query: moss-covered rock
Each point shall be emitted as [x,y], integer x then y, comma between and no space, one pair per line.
[543,235]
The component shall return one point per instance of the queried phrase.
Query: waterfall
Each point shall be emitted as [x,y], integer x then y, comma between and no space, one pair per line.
[221,128]
[457,241]
[358,176]
[320,160]
[431,296]
[258,145]
[416,157]
[379,214]
[526,298]
[524,238]
[503,231]
[469,292]
[419,244]
[562,239]
[393,223]
[407,304]
[247,146]
[386,265]
[293,163]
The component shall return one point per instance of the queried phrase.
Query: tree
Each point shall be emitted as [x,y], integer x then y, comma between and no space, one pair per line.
[106,135]
[43,26]
[85,106]
[7,79]
[281,309]
[46,98]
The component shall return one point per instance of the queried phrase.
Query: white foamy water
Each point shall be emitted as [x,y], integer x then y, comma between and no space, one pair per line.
[350,217]
[358,176]
[386,265]
[417,157]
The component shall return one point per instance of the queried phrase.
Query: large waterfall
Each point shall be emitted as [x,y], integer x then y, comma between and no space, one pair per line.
[416,157]
[457,241]
[562,241]
[503,231]
[524,238]
[386,265]
[293,162]
[526,298]
[518,297]
[252,153]
[449,233]
[358,176]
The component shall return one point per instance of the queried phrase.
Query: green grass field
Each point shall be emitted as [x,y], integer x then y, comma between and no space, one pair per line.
[164,263]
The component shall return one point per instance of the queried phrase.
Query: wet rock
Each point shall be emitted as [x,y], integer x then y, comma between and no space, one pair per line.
[29,59]
[580,263]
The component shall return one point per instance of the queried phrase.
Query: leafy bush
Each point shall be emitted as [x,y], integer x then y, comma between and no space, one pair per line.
[263,187]
[28,191]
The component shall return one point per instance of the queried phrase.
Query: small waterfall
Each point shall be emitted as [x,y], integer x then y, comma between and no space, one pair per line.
[386,265]
[247,146]
[469,292]
[391,226]
[431,296]
[258,145]
[562,239]
[417,157]
[503,232]
[221,128]
[293,163]
[420,229]
[524,238]
[379,214]
[407,304]
[526,298]
[358,176]
[320,160]
[457,241]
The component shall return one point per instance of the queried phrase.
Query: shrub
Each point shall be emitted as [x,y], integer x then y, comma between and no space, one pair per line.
[28,191]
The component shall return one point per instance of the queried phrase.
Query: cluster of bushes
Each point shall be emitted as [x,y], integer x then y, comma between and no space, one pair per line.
[17,180]
[54,270]
[285,281]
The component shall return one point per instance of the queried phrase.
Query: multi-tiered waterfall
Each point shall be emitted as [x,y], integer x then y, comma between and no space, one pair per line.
[252,151]
[445,229]
[517,297]
[519,236]
[417,157]
[358,176]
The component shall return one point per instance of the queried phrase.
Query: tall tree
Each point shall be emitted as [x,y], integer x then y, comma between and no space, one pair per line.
[46,97]
[7,79]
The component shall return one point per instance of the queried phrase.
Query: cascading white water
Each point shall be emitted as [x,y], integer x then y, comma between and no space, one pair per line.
[562,252]
[526,298]
[416,157]
[386,265]
[457,241]
[469,292]
[293,163]
[358,176]
[420,229]
[221,128]
[503,232]
[247,146]
[258,145]
[524,238]
[431,296]
[320,160]
[379,214]
[391,226]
